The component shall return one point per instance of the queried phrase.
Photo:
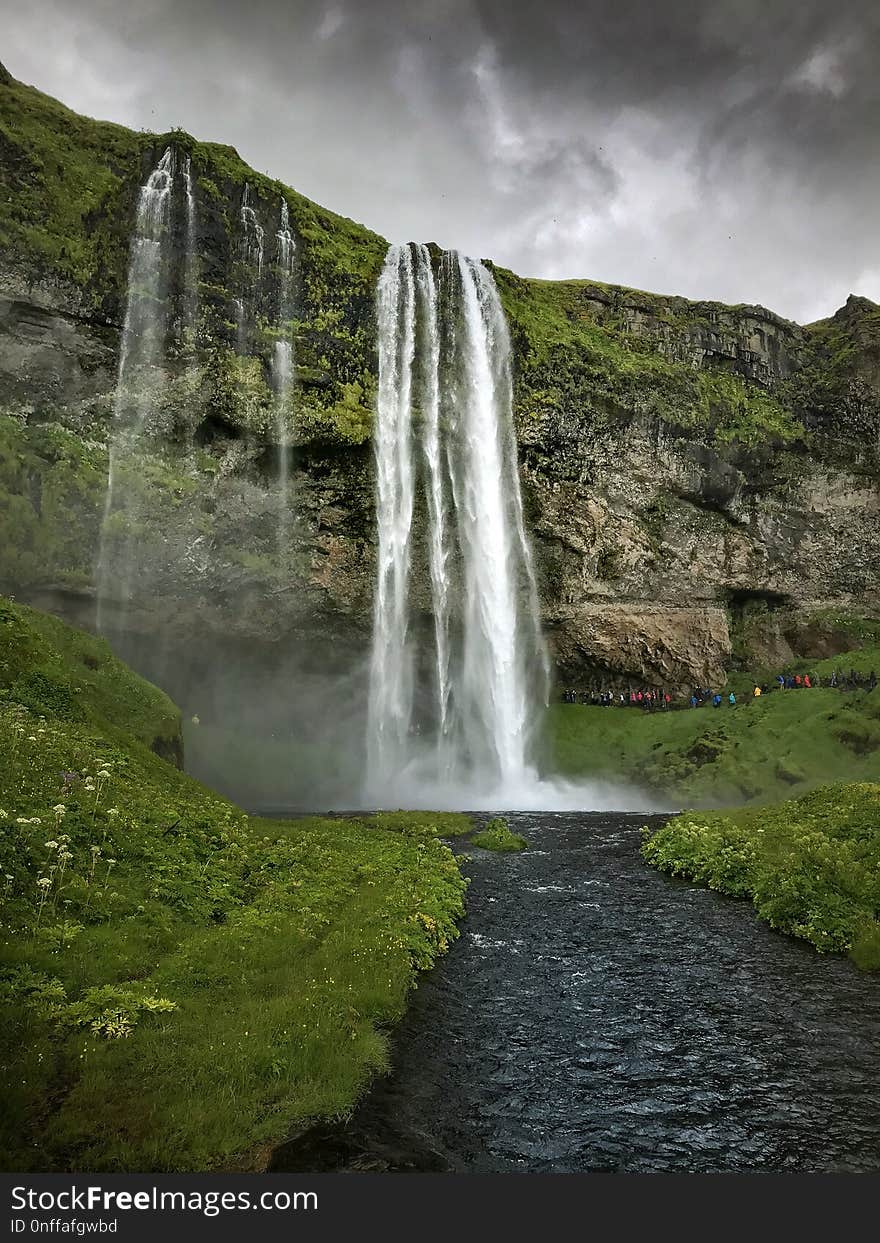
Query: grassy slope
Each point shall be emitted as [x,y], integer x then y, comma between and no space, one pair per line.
[209,981]
[782,744]
[811,866]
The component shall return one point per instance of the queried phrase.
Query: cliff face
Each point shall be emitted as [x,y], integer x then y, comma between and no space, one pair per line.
[701,481]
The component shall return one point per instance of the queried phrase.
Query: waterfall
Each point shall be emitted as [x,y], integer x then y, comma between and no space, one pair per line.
[282,362]
[139,378]
[391,673]
[251,253]
[191,270]
[502,646]
[445,386]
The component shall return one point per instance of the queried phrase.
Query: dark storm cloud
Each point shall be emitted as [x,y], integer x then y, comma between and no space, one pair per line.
[724,148]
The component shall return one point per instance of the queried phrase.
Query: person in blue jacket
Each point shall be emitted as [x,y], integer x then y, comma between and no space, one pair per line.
[716,701]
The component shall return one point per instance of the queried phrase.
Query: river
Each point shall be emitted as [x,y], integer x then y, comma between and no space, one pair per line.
[596,1015]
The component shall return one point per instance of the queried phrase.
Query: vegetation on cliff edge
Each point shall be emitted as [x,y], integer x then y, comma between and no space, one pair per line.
[180,984]
[568,356]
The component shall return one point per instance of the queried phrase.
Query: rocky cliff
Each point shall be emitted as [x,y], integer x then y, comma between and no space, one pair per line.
[701,481]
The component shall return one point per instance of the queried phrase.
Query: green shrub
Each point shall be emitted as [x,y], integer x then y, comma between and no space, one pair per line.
[811,866]
[497,835]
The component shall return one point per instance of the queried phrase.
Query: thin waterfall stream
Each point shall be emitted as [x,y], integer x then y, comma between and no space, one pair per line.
[139,381]
[282,363]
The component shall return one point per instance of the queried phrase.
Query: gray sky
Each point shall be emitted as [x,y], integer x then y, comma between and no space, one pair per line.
[713,148]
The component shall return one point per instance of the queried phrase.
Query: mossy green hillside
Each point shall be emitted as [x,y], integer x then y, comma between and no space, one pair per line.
[770,748]
[68,190]
[837,385]
[811,866]
[182,985]
[54,671]
[569,358]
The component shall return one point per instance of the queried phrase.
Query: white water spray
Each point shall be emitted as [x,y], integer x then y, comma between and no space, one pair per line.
[391,673]
[139,378]
[252,248]
[282,363]
[446,360]
[191,259]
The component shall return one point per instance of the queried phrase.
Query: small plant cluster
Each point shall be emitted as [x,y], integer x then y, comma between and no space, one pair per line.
[497,835]
[66,872]
[110,1011]
[811,866]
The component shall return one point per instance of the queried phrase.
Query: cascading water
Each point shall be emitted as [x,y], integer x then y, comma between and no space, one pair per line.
[191,271]
[503,681]
[445,359]
[139,379]
[252,250]
[282,361]
[391,672]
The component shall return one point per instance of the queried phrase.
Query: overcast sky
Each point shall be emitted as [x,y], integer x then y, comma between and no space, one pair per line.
[713,148]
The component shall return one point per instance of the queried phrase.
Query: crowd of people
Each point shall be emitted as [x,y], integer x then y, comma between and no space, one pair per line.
[652,699]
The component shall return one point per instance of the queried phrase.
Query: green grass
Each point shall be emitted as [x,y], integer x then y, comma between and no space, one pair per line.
[782,744]
[811,866]
[190,984]
[497,835]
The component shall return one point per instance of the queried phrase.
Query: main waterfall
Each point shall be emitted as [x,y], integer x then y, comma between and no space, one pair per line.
[454,706]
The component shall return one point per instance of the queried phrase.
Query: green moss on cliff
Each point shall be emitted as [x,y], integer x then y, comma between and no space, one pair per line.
[51,491]
[65,192]
[838,387]
[570,360]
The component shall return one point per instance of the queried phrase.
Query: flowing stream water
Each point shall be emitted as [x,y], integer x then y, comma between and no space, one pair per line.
[596,1014]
